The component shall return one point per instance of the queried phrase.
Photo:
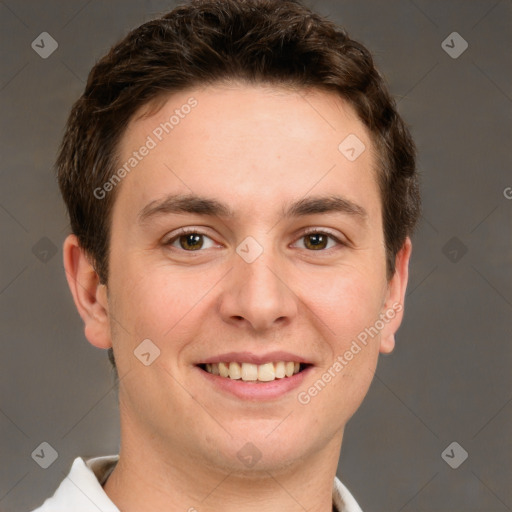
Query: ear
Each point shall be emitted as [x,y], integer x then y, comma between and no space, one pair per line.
[393,308]
[89,295]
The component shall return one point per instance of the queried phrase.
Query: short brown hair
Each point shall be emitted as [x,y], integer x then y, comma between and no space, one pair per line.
[203,42]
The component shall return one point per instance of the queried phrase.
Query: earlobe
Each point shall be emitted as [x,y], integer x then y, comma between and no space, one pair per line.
[387,344]
[88,293]
[394,304]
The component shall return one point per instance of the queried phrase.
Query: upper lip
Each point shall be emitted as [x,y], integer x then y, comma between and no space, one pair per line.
[249,357]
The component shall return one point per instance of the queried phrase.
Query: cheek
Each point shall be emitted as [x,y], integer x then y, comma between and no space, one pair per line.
[351,307]
[347,301]
[157,302]
[347,306]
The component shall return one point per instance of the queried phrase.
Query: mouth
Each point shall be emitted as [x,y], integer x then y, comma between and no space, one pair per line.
[251,377]
[255,373]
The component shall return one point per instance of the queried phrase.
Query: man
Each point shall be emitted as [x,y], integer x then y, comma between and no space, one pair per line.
[241,192]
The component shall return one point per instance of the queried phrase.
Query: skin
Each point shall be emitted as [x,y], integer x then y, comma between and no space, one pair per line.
[257,149]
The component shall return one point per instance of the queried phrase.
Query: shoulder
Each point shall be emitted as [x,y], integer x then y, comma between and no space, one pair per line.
[343,499]
[81,490]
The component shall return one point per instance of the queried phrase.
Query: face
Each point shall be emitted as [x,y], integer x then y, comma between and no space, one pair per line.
[245,243]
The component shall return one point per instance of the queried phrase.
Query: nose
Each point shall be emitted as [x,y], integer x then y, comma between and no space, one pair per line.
[257,295]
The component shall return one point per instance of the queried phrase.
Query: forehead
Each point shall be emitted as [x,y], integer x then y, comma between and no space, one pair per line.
[245,142]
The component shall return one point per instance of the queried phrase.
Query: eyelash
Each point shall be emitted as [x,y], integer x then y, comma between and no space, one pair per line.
[310,231]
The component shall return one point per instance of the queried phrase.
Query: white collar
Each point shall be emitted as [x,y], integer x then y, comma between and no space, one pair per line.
[82,491]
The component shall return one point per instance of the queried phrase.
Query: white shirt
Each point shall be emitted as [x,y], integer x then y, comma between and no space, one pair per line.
[82,491]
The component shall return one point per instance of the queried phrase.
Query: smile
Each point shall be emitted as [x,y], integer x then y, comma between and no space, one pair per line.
[249,372]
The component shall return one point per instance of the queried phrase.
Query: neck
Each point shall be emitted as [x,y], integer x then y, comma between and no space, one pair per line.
[152,477]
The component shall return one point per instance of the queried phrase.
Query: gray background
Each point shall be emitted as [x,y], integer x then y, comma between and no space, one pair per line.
[449,378]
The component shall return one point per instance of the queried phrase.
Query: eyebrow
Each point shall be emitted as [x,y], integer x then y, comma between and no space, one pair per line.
[191,203]
[329,204]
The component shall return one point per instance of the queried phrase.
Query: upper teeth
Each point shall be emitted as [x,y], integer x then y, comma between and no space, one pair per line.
[254,372]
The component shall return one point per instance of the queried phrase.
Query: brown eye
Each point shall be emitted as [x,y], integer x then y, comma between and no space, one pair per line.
[316,241]
[191,241]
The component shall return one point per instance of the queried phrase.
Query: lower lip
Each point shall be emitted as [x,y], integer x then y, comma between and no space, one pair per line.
[256,390]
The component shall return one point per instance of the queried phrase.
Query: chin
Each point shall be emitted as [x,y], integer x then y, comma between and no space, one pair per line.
[260,448]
